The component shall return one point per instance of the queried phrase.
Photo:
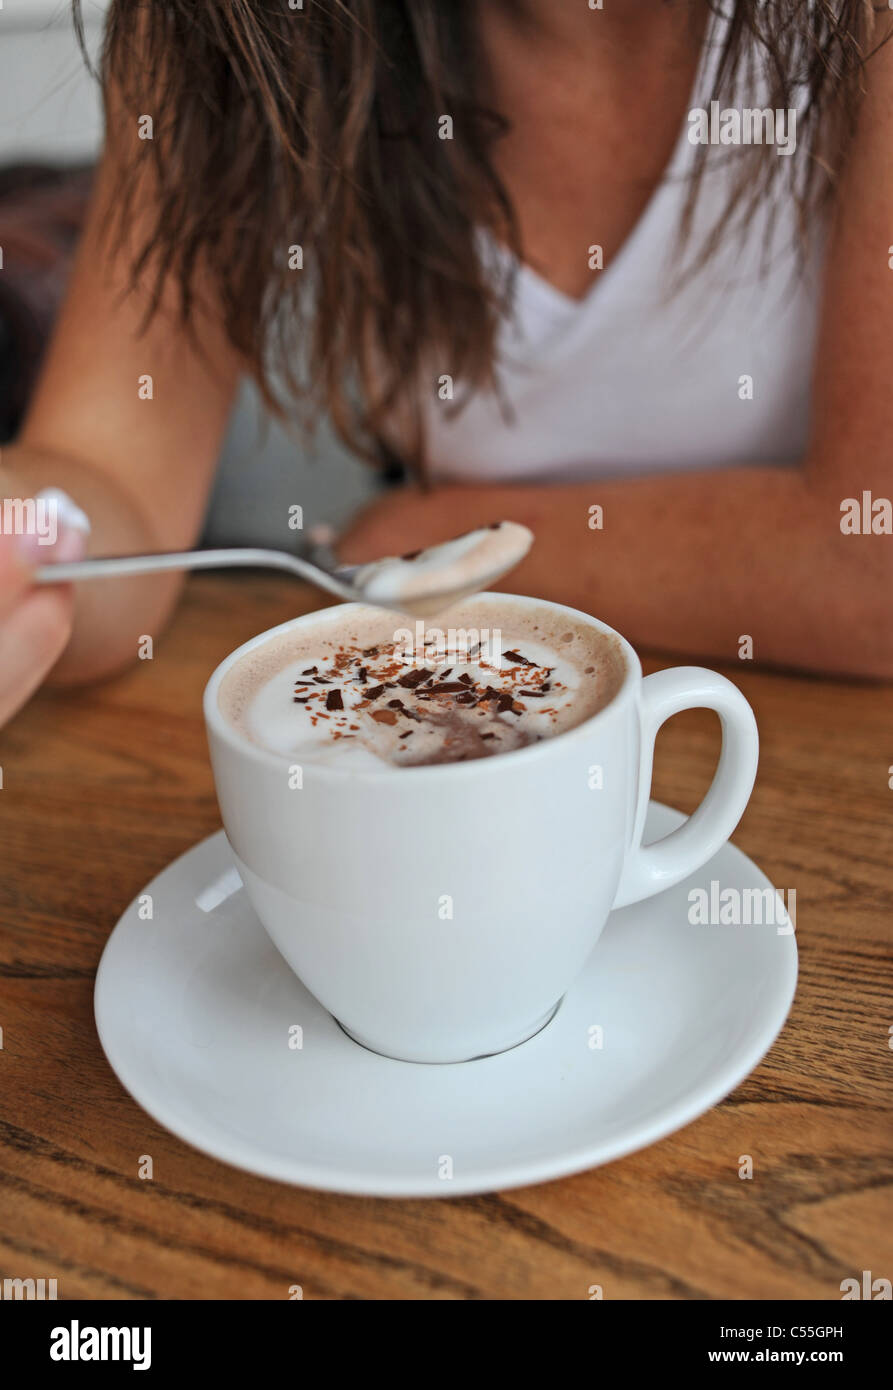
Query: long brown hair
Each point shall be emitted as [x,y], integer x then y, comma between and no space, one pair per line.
[288,134]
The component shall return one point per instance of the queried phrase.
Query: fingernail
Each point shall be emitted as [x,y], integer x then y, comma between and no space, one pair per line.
[59,531]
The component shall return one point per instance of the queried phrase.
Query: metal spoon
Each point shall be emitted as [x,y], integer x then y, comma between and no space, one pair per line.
[352,582]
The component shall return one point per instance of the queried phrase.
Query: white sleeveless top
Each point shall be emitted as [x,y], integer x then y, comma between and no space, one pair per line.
[632,380]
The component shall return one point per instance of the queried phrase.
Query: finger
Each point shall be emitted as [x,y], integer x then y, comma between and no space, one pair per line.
[35,531]
[15,572]
[32,638]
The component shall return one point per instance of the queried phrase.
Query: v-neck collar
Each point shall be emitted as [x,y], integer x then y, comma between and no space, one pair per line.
[561,307]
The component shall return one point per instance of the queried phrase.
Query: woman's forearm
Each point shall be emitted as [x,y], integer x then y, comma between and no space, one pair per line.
[686,562]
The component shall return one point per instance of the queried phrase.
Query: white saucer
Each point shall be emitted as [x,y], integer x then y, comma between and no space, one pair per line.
[195,1006]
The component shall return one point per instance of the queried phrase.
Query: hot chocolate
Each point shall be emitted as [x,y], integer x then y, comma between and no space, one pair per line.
[356,690]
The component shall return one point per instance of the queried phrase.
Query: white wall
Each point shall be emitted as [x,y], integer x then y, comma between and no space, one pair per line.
[49,104]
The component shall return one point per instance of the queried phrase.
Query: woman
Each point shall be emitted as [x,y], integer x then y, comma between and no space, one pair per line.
[482,234]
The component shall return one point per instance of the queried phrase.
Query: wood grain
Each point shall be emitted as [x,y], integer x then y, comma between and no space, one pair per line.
[103,787]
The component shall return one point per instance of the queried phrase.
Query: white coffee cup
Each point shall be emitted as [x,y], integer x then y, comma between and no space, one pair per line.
[440,913]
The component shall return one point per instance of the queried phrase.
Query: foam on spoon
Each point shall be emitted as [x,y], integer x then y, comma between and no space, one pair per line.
[426,581]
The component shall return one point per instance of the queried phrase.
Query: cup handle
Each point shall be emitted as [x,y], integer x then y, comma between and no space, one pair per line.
[648,869]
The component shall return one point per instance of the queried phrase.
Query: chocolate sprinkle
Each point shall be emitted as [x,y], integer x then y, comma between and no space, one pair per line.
[463,703]
[414,678]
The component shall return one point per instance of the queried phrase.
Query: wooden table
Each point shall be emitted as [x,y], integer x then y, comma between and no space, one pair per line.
[103,787]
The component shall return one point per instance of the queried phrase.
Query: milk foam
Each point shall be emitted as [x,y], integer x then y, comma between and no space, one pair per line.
[463,566]
[342,692]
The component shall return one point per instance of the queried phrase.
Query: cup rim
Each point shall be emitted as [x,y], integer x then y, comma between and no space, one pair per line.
[216,720]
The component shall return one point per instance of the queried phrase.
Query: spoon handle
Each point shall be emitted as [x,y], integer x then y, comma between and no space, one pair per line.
[115,566]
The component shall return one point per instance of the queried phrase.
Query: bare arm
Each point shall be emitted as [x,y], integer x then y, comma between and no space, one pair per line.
[140,468]
[693,561]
